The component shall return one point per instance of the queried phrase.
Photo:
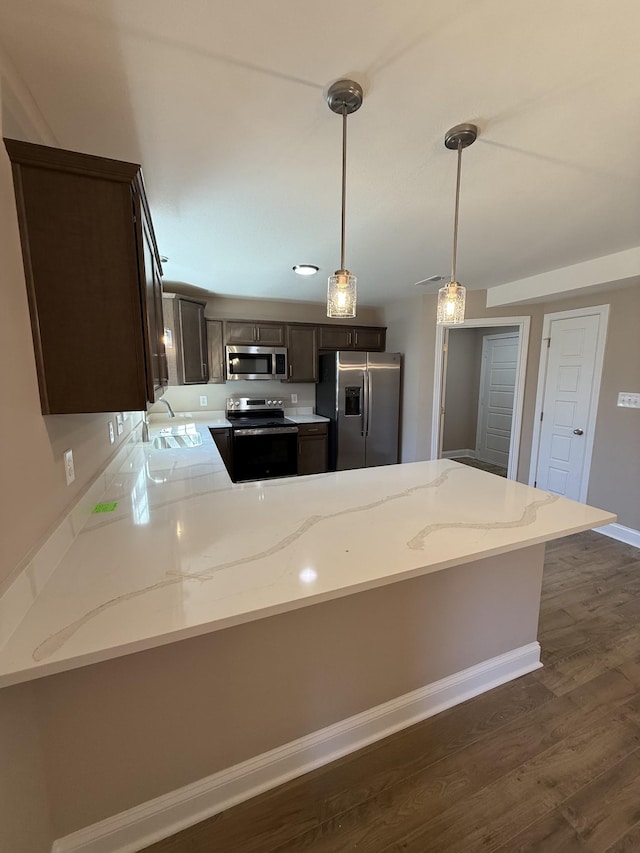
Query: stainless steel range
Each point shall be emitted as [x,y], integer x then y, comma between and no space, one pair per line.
[264,442]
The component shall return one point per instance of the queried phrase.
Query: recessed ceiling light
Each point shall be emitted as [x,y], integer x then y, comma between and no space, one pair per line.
[305,269]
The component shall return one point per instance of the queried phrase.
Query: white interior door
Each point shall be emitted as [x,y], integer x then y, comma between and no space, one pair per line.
[566,407]
[495,404]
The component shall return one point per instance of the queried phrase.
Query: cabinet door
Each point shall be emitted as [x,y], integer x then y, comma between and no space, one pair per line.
[335,337]
[193,335]
[312,454]
[302,351]
[240,333]
[269,334]
[93,280]
[215,350]
[157,373]
[370,339]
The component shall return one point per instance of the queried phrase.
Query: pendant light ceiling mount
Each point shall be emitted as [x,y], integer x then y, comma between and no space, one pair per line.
[344,97]
[452,297]
[462,135]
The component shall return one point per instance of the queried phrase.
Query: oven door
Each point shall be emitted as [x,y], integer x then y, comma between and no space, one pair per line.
[259,454]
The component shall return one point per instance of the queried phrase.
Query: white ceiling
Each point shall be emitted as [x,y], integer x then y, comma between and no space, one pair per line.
[223,104]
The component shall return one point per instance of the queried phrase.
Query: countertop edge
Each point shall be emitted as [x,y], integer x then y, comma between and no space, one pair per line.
[149,643]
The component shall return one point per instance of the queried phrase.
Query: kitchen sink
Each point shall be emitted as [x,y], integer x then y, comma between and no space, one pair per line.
[167,440]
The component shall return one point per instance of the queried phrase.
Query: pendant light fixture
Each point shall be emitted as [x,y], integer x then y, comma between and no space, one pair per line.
[451,297]
[344,97]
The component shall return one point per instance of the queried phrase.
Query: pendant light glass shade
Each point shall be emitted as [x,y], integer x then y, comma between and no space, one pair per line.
[344,97]
[451,299]
[341,295]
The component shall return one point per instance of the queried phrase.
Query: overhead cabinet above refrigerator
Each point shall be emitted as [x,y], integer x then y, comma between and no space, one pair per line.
[360,394]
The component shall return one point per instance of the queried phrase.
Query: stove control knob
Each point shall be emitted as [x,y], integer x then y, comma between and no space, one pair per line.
[280,402]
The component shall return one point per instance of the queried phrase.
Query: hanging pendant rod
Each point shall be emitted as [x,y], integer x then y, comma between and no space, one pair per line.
[344,97]
[344,184]
[455,218]
[459,137]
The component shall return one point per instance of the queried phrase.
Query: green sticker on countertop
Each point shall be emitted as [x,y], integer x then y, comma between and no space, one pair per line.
[105,507]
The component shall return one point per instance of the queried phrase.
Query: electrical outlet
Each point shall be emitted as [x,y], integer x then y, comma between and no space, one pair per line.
[629,400]
[119,424]
[204,400]
[69,470]
[112,436]
[294,398]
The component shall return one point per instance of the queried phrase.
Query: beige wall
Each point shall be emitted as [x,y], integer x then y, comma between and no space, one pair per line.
[25,820]
[406,320]
[461,395]
[226,308]
[615,472]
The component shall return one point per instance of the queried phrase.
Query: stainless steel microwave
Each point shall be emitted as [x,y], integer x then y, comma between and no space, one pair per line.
[256,362]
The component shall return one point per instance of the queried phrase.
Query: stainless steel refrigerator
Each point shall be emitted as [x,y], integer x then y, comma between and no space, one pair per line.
[360,393]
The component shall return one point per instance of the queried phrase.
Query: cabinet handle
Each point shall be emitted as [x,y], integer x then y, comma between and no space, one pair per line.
[204,369]
[349,338]
[355,343]
[290,371]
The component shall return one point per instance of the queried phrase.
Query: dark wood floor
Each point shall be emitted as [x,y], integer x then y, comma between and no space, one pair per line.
[489,467]
[549,762]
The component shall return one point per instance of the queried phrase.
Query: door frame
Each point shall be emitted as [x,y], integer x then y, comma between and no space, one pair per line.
[603,312]
[483,376]
[439,383]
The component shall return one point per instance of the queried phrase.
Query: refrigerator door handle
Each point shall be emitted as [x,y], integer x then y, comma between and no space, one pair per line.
[369,397]
[365,403]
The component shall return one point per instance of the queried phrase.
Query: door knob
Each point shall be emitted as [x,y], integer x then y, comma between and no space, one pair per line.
[578,431]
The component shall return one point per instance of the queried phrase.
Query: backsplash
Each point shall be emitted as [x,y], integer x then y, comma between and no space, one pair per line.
[186,398]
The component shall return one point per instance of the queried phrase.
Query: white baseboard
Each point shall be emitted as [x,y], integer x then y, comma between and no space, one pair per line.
[623,534]
[453,454]
[156,819]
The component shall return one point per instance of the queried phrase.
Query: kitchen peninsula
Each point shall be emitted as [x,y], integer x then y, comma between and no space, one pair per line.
[274,610]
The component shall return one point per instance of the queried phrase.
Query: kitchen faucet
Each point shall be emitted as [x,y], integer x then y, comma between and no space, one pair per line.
[170,411]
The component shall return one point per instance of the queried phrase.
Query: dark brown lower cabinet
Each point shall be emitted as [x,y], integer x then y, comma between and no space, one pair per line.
[312,448]
[222,438]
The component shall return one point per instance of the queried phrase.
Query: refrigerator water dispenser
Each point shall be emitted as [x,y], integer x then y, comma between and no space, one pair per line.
[352,400]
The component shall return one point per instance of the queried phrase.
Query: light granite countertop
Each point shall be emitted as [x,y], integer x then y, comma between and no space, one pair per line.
[186,552]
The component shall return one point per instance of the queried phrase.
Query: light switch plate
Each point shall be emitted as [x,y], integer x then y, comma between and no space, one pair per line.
[119,424]
[112,436]
[294,398]
[629,400]
[204,400]
[69,470]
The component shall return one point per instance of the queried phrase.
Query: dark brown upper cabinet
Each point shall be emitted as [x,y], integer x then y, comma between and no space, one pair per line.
[254,332]
[370,338]
[93,279]
[302,353]
[215,348]
[185,339]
